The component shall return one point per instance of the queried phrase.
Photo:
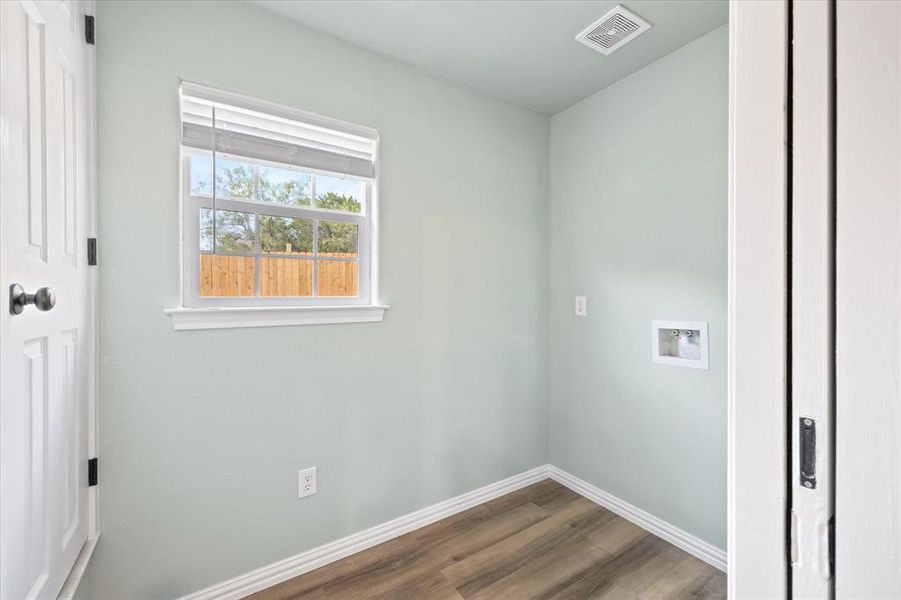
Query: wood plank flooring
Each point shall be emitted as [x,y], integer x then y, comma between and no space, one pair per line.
[543,541]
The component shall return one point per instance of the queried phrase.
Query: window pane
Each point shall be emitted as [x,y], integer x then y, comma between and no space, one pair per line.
[226,275]
[338,240]
[234,179]
[339,194]
[286,277]
[235,231]
[201,175]
[283,186]
[284,235]
[337,278]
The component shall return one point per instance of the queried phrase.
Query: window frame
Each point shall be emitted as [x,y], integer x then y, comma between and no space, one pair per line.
[190,239]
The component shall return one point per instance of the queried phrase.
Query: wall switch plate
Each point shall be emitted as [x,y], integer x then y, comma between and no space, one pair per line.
[306,482]
[581,306]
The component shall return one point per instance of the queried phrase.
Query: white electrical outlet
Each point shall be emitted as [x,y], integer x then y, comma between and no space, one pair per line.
[581,306]
[306,482]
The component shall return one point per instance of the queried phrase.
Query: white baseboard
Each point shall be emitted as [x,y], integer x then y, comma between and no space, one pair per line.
[305,562]
[697,547]
[280,571]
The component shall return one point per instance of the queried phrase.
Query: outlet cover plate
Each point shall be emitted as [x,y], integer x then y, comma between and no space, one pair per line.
[581,308]
[306,482]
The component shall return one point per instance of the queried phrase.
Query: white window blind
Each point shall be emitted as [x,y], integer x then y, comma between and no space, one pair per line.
[232,124]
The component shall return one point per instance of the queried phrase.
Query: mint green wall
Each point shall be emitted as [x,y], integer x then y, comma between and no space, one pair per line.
[467,381]
[202,433]
[638,224]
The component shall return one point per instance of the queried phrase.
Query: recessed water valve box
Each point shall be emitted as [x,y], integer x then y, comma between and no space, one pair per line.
[680,343]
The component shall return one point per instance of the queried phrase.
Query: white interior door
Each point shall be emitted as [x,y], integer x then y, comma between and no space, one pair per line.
[868,290]
[46,356]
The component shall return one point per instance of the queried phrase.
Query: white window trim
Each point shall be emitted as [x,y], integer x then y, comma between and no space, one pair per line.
[226,313]
[198,312]
[184,319]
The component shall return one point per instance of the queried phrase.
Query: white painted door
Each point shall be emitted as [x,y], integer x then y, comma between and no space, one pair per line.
[868,300]
[46,357]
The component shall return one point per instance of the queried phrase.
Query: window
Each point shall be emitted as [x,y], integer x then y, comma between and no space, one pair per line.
[277,205]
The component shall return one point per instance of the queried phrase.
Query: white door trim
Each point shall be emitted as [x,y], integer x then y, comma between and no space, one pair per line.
[757,299]
[70,587]
[812,296]
[89,8]
[868,300]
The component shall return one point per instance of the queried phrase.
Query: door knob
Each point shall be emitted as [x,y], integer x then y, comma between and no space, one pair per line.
[44,299]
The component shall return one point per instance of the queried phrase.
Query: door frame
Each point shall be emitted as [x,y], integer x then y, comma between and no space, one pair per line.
[758,350]
[868,297]
[812,320]
[70,586]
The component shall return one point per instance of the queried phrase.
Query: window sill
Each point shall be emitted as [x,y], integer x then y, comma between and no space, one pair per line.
[272,316]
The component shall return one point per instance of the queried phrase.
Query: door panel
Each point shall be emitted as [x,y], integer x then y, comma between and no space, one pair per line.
[32,499]
[35,50]
[72,450]
[69,161]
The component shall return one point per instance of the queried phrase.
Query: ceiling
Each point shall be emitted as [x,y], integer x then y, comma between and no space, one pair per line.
[520,51]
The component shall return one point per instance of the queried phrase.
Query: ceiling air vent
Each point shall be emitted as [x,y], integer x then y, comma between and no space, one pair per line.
[613,30]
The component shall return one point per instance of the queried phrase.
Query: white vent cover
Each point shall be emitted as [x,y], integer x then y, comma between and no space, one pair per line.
[613,30]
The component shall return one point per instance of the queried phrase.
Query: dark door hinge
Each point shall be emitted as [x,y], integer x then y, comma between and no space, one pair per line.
[92,252]
[89,29]
[92,472]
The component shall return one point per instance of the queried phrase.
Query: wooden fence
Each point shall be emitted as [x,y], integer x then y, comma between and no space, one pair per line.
[234,276]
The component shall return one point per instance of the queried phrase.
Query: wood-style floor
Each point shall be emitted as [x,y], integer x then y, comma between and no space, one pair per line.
[543,541]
